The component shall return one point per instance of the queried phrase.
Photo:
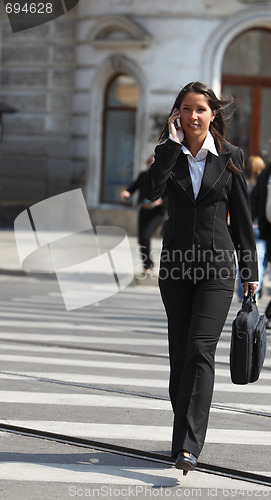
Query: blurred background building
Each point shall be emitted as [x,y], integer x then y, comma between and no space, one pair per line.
[92,89]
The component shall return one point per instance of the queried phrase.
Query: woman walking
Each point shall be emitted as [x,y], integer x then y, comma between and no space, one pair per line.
[150,216]
[202,175]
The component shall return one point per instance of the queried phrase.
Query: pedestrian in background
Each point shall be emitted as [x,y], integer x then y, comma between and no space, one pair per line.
[150,216]
[203,177]
[261,211]
[253,168]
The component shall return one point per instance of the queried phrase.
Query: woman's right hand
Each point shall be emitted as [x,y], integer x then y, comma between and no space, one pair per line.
[177,134]
[125,194]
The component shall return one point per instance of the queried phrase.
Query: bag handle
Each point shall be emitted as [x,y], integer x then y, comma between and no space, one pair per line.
[248,301]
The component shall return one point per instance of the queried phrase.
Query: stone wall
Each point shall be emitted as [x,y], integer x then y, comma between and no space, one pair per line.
[37,78]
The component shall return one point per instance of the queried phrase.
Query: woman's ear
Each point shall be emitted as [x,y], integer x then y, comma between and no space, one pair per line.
[213,116]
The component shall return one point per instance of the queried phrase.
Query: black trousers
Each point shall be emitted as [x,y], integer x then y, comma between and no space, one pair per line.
[148,222]
[196,314]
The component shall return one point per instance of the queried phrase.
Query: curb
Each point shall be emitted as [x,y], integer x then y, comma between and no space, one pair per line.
[137,280]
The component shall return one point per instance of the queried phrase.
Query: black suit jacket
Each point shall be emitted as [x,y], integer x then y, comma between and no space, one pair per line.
[202,222]
[136,185]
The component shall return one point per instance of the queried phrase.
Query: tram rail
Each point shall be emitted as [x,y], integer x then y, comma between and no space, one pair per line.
[135,453]
[218,406]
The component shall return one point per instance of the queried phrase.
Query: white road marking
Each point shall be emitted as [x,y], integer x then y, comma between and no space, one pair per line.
[122,475]
[16,358]
[141,432]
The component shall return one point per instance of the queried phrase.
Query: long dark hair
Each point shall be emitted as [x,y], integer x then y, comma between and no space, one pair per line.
[217,126]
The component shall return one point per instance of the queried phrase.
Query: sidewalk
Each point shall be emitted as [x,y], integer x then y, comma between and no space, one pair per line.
[10,263]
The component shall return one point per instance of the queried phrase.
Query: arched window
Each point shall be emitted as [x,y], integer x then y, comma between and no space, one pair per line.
[120,106]
[247,77]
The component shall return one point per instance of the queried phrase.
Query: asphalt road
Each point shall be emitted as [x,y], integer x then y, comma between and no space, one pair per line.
[100,373]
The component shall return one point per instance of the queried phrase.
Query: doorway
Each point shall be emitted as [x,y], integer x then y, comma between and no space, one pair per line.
[247,77]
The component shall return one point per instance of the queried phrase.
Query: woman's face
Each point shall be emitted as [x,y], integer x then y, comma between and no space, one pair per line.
[196,116]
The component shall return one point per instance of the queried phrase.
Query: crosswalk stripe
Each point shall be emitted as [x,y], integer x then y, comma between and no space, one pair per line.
[15,358]
[239,436]
[97,400]
[60,325]
[70,351]
[134,382]
[81,326]
[83,363]
[225,372]
[244,389]
[138,481]
[41,337]
[95,430]
[243,406]
[95,379]
[5,376]
[141,432]
[93,400]
[225,359]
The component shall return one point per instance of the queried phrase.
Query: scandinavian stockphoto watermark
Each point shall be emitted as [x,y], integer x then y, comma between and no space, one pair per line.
[26,14]
[145,491]
[91,263]
[196,263]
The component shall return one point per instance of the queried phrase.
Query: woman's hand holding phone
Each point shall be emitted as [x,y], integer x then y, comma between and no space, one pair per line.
[174,126]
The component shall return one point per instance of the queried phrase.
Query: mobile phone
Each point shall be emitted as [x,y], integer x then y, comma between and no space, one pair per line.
[178,123]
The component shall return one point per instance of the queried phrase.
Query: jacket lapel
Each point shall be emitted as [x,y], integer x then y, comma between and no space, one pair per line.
[182,175]
[214,168]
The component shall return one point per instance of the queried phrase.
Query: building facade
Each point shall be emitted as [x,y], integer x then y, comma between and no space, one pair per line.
[92,89]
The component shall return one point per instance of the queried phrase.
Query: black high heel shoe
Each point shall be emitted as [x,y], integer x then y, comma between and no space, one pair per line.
[185,463]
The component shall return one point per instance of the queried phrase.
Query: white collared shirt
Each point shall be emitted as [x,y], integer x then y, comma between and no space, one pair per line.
[197,163]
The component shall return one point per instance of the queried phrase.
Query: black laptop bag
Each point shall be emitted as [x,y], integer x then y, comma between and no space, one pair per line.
[248,343]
